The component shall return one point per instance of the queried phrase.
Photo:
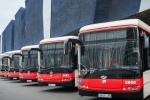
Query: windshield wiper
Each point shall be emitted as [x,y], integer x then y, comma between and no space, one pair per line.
[129,70]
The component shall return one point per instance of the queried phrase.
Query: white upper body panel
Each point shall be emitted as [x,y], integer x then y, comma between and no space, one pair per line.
[127,22]
[57,39]
[29,47]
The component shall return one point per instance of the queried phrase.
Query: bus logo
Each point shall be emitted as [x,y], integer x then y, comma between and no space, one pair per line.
[103,77]
[104,81]
[51,72]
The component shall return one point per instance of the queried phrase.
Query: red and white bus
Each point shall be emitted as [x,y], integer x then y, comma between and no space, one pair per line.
[29,68]
[6,60]
[57,69]
[13,70]
[115,60]
[2,68]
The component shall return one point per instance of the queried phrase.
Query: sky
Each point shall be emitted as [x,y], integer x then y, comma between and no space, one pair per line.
[144,5]
[8,9]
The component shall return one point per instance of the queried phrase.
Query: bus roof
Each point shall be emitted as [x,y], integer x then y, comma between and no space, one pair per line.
[2,55]
[29,47]
[127,22]
[6,55]
[57,39]
[13,52]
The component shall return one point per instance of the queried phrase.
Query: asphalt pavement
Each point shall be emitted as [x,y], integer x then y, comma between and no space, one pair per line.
[16,90]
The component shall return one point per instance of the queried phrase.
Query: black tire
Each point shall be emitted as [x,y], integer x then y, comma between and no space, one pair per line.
[22,80]
[10,78]
[140,96]
[42,84]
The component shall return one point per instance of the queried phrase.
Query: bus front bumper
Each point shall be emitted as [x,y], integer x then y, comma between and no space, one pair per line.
[28,76]
[65,83]
[126,95]
[13,75]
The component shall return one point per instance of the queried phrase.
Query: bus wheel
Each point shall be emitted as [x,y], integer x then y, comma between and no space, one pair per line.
[22,80]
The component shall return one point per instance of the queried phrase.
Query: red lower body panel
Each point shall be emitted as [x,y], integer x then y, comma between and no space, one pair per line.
[1,73]
[111,85]
[13,74]
[28,76]
[55,78]
[5,73]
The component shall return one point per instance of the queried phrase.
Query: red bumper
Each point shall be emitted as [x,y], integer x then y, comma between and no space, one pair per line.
[55,78]
[110,85]
[28,76]
[13,74]
[5,73]
[1,73]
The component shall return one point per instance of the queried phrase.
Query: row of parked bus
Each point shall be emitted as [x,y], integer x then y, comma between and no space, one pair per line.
[105,60]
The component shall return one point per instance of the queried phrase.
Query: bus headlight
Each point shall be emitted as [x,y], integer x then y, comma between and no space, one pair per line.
[79,81]
[131,88]
[132,85]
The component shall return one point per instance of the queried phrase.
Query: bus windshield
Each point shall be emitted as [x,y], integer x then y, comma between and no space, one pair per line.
[30,62]
[33,60]
[15,62]
[5,64]
[111,50]
[53,56]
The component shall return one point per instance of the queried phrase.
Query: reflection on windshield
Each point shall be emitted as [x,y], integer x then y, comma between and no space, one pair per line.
[110,50]
[15,62]
[30,62]
[53,56]
[5,64]
[5,61]
[25,59]
[107,55]
[33,59]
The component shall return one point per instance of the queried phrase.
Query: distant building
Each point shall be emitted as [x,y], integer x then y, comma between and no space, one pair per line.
[53,18]
[19,29]
[33,22]
[8,37]
[69,15]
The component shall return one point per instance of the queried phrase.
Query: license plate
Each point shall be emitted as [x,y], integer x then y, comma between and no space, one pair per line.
[100,95]
[52,85]
[14,78]
[29,80]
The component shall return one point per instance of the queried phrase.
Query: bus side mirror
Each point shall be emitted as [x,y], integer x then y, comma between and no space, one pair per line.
[41,53]
[22,58]
[146,41]
[29,53]
[11,60]
[82,49]
[67,47]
